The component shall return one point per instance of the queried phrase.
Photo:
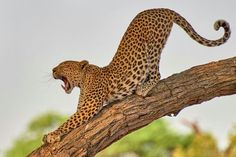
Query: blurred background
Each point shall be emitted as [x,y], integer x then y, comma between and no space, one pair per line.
[37,35]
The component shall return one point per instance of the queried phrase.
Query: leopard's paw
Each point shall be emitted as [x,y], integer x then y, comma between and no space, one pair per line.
[52,137]
[141,91]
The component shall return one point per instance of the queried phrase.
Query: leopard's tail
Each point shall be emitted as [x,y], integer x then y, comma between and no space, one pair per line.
[182,22]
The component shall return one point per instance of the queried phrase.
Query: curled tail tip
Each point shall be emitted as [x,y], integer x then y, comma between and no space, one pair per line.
[225,25]
[221,23]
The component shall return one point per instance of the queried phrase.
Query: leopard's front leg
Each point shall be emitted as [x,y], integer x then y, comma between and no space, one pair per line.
[85,112]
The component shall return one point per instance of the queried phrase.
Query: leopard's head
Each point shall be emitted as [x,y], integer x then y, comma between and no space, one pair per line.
[71,73]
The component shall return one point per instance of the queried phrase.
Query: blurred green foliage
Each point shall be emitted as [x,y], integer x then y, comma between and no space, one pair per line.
[231,150]
[155,140]
[203,145]
[32,137]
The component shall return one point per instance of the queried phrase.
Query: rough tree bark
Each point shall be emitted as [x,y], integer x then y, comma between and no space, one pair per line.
[193,86]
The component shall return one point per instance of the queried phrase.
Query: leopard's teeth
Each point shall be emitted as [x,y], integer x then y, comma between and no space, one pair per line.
[63,87]
[67,85]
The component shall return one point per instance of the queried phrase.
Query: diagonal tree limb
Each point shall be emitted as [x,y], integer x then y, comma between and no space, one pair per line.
[193,86]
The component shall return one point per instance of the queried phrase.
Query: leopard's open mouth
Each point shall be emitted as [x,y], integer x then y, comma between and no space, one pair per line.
[66,86]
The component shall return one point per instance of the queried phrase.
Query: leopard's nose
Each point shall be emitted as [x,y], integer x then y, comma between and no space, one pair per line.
[54,73]
[53,70]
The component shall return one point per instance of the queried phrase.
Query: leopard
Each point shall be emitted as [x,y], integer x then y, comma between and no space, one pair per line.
[134,68]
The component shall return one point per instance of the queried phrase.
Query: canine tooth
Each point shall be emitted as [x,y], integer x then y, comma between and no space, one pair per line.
[63,87]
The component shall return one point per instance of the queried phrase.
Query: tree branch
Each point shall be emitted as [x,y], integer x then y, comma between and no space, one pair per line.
[193,86]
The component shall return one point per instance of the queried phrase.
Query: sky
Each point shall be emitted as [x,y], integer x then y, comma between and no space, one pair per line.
[37,35]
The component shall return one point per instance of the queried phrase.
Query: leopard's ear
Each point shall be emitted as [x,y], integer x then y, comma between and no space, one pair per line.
[83,64]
